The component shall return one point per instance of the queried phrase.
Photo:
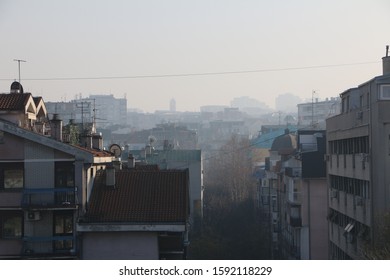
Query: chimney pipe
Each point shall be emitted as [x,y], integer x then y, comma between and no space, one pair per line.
[56,128]
[110,176]
[131,161]
[386,62]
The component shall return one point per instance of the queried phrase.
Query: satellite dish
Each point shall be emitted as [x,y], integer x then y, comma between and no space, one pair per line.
[152,139]
[116,150]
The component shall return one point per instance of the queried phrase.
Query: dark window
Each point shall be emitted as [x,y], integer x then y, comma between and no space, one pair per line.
[63,227]
[64,174]
[11,224]
[11,176]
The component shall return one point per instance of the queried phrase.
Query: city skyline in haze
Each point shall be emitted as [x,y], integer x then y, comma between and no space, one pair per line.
[197,52]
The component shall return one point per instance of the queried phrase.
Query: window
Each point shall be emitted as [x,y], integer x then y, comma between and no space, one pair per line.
[11,224]
[64,172]
[63,226]
[11,176]
[384,92]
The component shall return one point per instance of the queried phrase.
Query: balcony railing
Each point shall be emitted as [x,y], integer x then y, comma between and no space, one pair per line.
[295,222]
[293,171]
[44,198]
[49,247]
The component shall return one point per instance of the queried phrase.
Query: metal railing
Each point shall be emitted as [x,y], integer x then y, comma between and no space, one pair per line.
[50,198]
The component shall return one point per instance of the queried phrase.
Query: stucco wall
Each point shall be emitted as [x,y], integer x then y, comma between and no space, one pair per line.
[120,246]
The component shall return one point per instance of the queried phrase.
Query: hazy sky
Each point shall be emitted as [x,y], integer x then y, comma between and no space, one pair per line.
[138,44]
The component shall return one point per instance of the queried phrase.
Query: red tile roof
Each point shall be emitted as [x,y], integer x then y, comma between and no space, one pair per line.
[140,197]
[14,101]
[95,152]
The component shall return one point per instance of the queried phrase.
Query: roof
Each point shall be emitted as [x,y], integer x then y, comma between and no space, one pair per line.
[285,143]
[265,140]
[14,101]
[79,153]
[94,152]
[140,197]
[174,155]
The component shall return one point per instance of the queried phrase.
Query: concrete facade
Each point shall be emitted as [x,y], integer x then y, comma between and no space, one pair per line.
[358,161]
[43,189]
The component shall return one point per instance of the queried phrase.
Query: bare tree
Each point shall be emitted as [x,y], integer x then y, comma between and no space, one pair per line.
[230,228]
[232,169]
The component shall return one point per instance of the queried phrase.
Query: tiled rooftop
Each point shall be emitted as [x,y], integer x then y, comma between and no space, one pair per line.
[95,152]
[140,197]
[14,101]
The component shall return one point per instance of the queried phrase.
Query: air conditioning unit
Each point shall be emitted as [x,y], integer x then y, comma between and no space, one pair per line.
[33,215]
[359,201]
[334,194]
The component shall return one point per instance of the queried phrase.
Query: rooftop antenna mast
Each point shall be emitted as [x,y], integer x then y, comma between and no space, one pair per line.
[312,107]
[19,60]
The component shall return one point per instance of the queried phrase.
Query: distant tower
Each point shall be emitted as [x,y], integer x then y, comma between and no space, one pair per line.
[172,105]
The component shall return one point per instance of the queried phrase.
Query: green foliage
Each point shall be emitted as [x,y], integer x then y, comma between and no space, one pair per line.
[379,248]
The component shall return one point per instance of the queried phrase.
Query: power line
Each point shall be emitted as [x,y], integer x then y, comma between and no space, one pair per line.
[196,74]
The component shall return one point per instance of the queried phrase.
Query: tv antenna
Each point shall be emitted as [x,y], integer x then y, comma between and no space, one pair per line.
[19,60]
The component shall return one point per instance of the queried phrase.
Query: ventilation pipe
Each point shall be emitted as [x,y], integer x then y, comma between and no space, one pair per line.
[386,62]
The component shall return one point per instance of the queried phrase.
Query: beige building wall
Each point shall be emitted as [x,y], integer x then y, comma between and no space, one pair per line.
[120,246]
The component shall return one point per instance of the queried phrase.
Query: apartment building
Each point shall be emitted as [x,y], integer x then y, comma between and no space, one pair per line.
[58,201]
[293,196]
[303,197]
[358,158]
[314,114]
[136,213]
[103,110]
[44,182]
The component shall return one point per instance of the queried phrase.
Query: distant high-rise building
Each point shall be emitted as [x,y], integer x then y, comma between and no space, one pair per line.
[314,114]
[104,110]
[172,105]
[287,102]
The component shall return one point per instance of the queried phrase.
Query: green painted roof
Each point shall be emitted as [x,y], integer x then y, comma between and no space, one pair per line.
[174,155]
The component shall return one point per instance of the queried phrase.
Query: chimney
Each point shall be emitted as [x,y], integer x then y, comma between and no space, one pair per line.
[148,150]
[86,139]
[110,176]
[56,128]
[97,141]
[386,62]
[130,161]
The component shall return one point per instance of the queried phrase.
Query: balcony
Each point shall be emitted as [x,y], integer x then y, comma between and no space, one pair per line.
[293,171]
[50,247]
[295,197]
[295,222]
[50,198]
